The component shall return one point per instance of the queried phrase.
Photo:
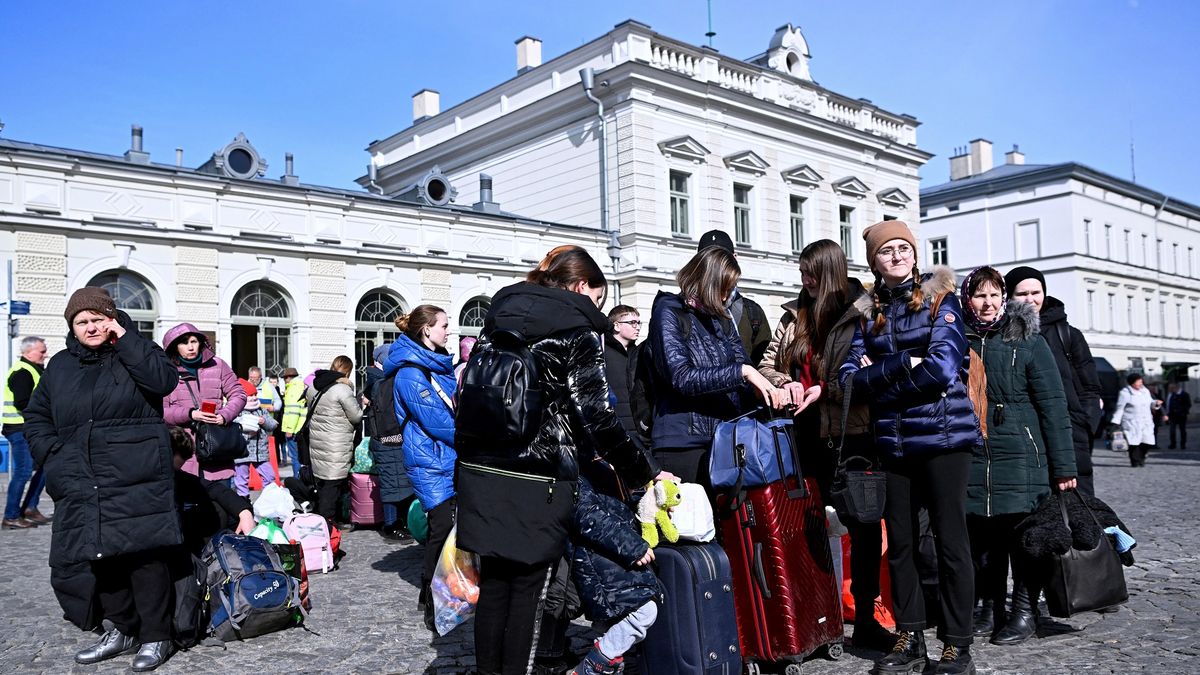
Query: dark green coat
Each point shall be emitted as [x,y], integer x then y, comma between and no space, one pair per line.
[1028,427]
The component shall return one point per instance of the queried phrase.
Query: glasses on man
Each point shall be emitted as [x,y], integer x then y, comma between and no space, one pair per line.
[632,322]
[901,251]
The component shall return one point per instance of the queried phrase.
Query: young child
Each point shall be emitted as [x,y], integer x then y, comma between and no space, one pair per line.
[205,507]
[618,591]
[257,426]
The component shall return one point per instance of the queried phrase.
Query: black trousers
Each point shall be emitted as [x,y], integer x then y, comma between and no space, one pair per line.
[1180,424]
[1137,453]
[689,464]
[938,482]
[508,616]
[329,498]
[135,593]
[441,521]
[994,547]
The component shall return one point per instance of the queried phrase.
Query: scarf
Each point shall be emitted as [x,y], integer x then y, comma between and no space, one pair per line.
[191,365]
[973,319]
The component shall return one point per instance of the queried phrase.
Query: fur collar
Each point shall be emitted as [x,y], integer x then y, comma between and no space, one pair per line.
[1022,322]
[938,281]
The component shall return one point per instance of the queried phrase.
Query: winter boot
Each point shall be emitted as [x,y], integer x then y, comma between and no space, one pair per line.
[907,655]
[989,617]
[955,661]
[596,663]
[1022,622]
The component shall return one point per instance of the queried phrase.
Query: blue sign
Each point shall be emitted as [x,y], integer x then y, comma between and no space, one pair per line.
[19,308]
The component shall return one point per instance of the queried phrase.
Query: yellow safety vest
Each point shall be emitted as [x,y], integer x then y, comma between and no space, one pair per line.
[293,406]
[11,415]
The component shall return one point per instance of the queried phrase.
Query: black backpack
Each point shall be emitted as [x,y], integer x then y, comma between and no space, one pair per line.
[501,400]
[385,426]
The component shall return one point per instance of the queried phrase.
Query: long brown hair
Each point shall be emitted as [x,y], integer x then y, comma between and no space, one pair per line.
[708,279]
[825,261]
[564,267]
[414,322]
[916,300]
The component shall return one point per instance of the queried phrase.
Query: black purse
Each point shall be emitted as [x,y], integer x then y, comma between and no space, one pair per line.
[1085,581]
[216,443]
[857,494]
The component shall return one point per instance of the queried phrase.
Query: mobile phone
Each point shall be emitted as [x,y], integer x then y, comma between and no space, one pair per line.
[209,407]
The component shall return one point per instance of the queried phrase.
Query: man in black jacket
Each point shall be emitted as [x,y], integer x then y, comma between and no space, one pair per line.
[1075,365]
[1179,406]
[748,315]
[18,389]
[619,345]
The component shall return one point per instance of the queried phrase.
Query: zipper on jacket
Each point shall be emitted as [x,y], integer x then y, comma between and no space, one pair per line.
[520,476]
[1037,453]
[987,477]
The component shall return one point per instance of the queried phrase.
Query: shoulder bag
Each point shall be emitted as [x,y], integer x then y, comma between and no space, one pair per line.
[216,443]
[1085,581]
[858,494]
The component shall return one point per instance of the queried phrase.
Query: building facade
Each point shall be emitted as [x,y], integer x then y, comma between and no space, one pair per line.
[1121,256]
[689,140]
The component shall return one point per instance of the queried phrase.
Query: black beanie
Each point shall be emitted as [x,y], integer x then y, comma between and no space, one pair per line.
[1018,274]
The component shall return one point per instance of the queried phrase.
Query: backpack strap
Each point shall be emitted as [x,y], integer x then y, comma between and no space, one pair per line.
[1064,337]
[936,305]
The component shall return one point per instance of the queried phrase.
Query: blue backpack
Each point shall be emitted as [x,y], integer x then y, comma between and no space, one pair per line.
[249,593]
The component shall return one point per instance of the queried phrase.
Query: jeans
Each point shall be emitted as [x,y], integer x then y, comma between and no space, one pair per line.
[390,514]
[624,634]
[293,456]
[33,495]
[21,468]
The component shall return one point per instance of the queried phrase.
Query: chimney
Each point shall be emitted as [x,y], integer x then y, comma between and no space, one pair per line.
[288,177]
[1014,156]
[426,103]
[134,153]
[179,157]
[981,156]
[529,54]
[960,164]
[485,203]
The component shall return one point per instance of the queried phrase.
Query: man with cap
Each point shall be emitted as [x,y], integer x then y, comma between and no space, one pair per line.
[748,316]
[1075,364]
[294,410]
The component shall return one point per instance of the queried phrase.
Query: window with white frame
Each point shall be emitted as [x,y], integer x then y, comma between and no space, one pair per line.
[1145,250]
[679,202]
[1129,314]
[1190,256]
[1178,319]
[846,230]
[1158,255]
[1128,246]
[1087,236]
[1091,310]
[1149,330]
[1112,312]
[1162,317]
[1108,243]
[939,251]
[741,214]
[796,221]
[1028,240]
[1175,266]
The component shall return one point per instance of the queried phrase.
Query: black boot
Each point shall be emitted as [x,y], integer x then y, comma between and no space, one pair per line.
[868,634]
[908,654]
[1022,622]
[984,619]
[955,661]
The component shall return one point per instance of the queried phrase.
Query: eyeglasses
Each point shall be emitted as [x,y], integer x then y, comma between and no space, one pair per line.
[903,251]
[631,322]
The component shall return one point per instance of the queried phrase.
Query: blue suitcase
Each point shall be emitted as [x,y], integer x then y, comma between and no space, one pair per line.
[696,630]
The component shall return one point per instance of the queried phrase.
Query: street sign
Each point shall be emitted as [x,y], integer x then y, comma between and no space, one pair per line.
[19,308]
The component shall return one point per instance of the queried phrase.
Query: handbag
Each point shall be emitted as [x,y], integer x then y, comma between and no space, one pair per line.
[748,452]
[216,443]
[858,494]
[516,516]
[1119,444]
[1085,581]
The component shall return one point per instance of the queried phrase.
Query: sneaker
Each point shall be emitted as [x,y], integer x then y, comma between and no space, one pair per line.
[37,516]
[955,661]
[394,534]
[596,663]
[908,654]
[17,524]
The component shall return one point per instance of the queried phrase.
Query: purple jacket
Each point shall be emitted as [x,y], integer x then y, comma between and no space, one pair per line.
[214,381]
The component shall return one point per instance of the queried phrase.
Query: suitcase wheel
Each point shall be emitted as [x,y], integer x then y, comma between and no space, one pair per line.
[833,652]
[792,669]
[753,669]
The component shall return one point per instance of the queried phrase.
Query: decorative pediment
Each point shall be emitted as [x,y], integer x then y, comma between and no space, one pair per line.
[684,147]
[803,175]
[893,197]
[747,162]
[851,187]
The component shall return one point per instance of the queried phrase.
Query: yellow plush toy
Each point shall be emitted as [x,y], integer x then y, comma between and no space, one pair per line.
[654,509]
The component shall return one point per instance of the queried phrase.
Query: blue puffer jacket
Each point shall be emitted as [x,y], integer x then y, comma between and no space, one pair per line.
[607,541]
[697,374]
[922,409]
[429,435]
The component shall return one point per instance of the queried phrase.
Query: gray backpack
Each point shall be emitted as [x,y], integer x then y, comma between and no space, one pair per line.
[249,593]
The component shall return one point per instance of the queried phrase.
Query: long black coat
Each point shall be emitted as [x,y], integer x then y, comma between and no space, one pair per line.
[95,424]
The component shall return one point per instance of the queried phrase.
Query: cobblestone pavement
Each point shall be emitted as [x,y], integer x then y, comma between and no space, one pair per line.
[364,618]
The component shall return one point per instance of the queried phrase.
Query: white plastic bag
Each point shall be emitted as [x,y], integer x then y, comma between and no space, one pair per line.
[1119,444]
[274,502]
[694,515]
[455,585]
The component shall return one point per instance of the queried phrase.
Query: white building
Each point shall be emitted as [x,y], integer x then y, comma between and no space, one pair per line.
[277,272]
[692,140]
[1121,256]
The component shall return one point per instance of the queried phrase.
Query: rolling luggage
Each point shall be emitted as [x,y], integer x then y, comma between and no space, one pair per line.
[696,632]
[366,508]
[787,596]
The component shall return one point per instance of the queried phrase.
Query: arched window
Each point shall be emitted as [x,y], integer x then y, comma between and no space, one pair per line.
[132,294]
[470,319]
[373,326]
[262,329]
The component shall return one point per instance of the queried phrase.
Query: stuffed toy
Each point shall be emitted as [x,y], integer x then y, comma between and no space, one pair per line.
[654,509]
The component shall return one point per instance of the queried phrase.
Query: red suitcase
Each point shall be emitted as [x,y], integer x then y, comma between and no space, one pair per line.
[787,598]
[365,505]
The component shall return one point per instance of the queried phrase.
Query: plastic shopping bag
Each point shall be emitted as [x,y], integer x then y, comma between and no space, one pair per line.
[269,531]
[364,462]
[693,517]
[274,502]
[455,585]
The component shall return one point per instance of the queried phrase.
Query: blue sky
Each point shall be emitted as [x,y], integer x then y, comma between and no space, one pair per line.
[1065,79]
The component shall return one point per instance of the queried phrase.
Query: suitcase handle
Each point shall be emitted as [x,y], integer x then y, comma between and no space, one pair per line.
[760,576]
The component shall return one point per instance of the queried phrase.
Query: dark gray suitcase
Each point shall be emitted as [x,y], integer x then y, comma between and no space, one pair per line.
[696,630]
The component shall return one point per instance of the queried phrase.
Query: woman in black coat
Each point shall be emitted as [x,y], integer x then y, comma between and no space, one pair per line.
[95,425]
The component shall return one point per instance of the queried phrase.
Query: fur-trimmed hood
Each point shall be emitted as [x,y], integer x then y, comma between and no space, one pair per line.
[1021,321]
[938,281]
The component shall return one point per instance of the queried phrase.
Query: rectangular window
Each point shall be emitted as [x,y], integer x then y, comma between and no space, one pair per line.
[1149,330]
[679,202]
[1193,322]
[1128,247]
[1190,255]
[1158,255]
[846,230]
[1162,318]
[796,219]
[1145,251]
[1091,310]
[1175,266]
[1087,236]
[1112,312]
[939,251]
[1108,244]
[741,214]
[1129,314]
[1178,320]
[1028,241]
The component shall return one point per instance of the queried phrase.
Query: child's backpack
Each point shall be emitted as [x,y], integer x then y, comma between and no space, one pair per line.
[501,400]
[311,531]
[249,593]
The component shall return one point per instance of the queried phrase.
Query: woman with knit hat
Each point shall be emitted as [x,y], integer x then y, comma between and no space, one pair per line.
[95,425]
[203,378]
[1022,409]
[907,360]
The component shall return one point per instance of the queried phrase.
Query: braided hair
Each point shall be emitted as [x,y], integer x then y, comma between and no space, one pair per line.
[916,299]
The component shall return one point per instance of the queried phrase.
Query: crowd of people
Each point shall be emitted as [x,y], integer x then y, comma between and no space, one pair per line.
[977,400]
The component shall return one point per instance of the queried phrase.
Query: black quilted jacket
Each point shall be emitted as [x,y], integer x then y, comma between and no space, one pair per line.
[607,542]
[566,332]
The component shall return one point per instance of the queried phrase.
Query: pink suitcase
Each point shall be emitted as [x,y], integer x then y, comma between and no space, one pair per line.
[365,505]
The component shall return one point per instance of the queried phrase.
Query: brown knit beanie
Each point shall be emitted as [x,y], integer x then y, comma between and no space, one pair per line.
[90,297]
[884,231]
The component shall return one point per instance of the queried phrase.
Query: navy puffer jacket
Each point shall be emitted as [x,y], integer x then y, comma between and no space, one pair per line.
[607,542]
[697,373]
[922,409]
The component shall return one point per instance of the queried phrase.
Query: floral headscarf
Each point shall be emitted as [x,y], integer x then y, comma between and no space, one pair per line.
[977,323]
